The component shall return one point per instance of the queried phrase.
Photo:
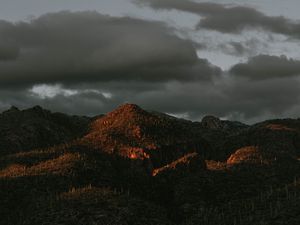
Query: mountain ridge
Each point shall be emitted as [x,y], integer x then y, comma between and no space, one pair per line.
[110,168]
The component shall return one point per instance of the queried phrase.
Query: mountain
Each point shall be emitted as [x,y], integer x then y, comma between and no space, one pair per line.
[133,166]
[276,137]
[23,130]
[132,132]
[214,123]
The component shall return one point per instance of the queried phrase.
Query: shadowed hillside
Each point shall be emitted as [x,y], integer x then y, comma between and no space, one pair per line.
[22,130]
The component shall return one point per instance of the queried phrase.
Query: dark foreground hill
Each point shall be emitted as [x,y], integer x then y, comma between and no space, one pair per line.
[134,166]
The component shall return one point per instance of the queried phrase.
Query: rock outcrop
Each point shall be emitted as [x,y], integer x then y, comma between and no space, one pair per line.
[212,122]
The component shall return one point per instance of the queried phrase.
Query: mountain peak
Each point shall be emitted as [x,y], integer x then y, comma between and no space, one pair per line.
[212,122]
[125,117]
[37,108]
[13,109]
[128,108]
[127,112]
[135,133]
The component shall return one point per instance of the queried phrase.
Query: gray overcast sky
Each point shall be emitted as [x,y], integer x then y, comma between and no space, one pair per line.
[20,9]
[236,59]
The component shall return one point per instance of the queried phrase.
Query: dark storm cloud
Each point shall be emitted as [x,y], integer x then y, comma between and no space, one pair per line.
[267,67]
[238,100]
[228,19]
[270,98]
[9,50]
[71,47]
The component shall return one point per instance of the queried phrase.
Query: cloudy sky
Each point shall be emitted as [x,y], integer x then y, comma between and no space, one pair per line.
[238,60]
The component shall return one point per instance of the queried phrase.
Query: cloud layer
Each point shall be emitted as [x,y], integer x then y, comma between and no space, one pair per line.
[266,67]
[228,19]
[87,46]
[88,63]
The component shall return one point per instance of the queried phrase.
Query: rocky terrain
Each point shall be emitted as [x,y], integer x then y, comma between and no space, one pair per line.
[133,166]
